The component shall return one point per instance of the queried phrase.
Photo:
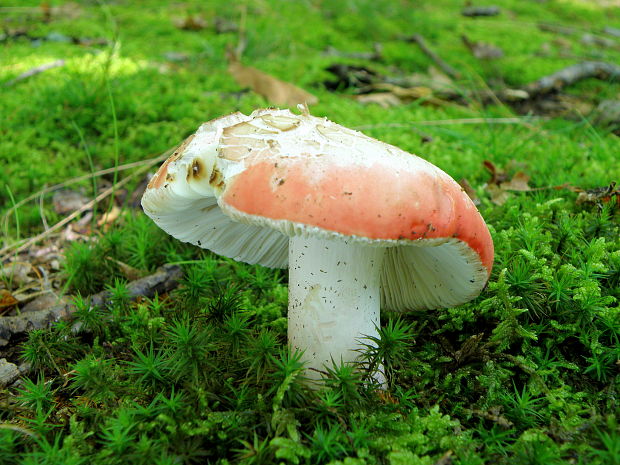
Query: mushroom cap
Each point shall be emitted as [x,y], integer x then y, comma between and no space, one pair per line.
[242,185]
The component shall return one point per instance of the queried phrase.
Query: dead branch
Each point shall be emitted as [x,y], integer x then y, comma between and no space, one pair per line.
[572,74]
[163,280]
[34,71]
[445,67]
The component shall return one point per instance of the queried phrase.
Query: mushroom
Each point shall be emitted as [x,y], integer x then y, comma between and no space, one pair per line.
[360,224]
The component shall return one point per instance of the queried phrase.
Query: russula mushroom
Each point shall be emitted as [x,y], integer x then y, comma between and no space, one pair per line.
[360,224]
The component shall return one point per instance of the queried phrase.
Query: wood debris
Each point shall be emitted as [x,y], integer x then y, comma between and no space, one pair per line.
[572,74]
[360,78]
[8,372]
[164,280]
[598,41]
[607,114]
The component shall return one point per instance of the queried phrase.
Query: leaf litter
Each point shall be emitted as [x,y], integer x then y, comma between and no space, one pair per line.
[274,90]
[501,185]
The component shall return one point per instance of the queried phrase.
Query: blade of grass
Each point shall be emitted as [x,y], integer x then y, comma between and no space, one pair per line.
[14,208]
[456,121]
[128,166]
[8,189]
[92,169]
[116,145]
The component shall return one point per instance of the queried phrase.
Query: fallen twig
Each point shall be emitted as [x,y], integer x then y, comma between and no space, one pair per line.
[572,74]
[445,67]
[34,71]
[163,280]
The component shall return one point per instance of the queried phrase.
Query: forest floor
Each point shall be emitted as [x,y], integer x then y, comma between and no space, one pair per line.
[119,344]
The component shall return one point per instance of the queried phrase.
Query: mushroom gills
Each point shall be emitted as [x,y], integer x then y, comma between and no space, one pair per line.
[427,276]
[209,228]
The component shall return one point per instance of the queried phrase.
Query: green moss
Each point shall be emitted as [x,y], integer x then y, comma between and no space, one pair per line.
[526,373]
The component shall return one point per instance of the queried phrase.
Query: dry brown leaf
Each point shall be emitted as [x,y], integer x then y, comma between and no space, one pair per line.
[498,195]
[519,182]
[191,23]
[274,90]
[69,234]
[408,94]
[439,77]
[383,99]
[500,185]
[109,217]
[387,398]
[412,93]
[6,301]
[434,78]
[497,176]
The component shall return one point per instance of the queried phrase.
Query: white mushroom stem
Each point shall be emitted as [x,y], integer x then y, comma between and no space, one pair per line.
[334,299]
